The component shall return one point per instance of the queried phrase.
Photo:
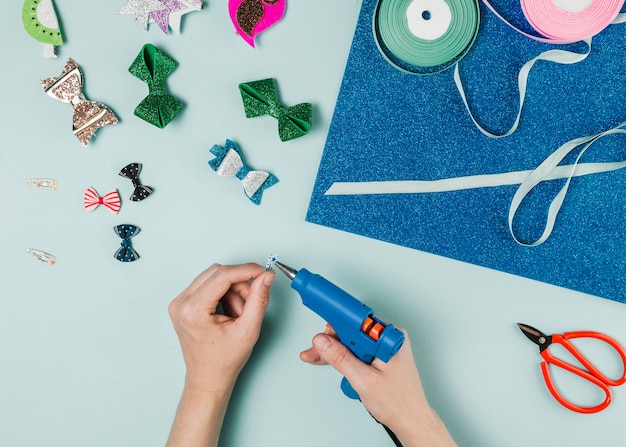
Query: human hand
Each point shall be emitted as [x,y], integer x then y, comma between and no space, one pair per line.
[216,346]
[392,392]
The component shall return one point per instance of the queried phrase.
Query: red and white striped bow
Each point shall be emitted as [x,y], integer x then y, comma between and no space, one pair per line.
[111,200]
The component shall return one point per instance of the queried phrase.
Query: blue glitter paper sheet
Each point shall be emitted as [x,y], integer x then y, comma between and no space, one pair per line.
[390,125]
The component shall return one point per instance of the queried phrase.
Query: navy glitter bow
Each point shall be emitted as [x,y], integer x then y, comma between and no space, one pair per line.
[131,172]
[228,162]
[126,253]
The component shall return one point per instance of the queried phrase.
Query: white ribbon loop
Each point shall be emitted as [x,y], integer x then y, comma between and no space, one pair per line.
[542,173]
[548,170]
[556,56]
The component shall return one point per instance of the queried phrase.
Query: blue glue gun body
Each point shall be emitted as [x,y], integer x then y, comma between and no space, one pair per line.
[355,324]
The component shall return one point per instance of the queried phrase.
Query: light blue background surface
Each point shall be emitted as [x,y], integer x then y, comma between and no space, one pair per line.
[89,357]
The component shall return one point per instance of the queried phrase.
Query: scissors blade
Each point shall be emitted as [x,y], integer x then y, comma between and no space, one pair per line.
[536,336]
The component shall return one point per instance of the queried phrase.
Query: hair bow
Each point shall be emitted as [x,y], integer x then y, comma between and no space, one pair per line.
[126,253]
[111,200]
[152,66]
[228,162]
[131,171]
[260,98]
[88,115]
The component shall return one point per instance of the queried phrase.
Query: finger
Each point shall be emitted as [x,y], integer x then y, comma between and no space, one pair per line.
[232,304]
[211,291]
[201,278]
[339,357]
[404,351]
[312,357]
[258,300]
[242,288]
[175,304]
[234,300]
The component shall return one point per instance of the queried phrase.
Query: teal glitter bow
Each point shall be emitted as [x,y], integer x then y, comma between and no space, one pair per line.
[260,98]
[228,162]
[152,66]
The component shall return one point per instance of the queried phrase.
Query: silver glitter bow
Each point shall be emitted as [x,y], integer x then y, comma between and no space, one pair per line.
[228,162]
[88,115]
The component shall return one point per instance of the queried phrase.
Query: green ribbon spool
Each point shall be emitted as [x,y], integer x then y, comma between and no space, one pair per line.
[417,55]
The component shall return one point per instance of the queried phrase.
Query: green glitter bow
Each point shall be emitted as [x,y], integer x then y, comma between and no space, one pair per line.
[260,98]
[152,66]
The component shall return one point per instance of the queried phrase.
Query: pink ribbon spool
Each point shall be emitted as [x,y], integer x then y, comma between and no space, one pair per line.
[549,20]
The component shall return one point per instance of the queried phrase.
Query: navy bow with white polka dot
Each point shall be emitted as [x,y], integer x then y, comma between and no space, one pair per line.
[126,253]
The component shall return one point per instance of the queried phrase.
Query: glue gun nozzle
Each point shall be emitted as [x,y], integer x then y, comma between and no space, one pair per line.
[288,271]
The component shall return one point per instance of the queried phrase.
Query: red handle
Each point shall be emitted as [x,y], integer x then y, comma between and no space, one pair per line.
[566,403]
[563,340]
[592,374]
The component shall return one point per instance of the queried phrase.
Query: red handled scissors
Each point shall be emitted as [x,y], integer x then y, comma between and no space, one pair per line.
[591,373]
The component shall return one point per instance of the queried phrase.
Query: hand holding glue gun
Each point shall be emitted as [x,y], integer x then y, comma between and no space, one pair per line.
[218,320]
[375,358]
[353,322]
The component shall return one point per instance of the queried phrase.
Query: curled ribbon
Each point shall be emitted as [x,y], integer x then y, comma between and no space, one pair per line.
[550,165]
[126,253]
[228,162]
[548,170]
[88,115]
[260,98]
[152,66]
[131,172]
[556,56]
[556,26]
[110,200]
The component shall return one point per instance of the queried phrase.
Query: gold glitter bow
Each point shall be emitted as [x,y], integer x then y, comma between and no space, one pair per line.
[88,115]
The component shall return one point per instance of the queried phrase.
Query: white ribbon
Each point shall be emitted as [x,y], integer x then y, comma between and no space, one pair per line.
[546,167]
[549,169]
[556,56]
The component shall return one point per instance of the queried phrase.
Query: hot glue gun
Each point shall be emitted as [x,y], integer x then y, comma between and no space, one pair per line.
[355,324]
